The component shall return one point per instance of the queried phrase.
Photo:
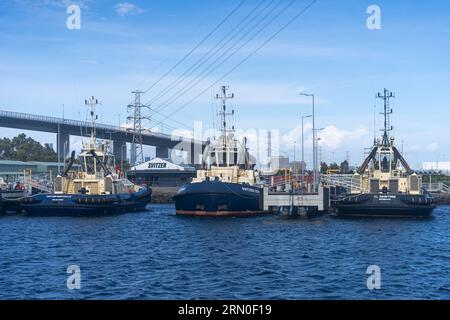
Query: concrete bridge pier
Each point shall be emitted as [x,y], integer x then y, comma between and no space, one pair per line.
[120,151]
[162,152]
[194,153]
[63,146]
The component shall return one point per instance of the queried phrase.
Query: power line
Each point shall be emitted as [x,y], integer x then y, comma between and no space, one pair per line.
[240,4]
[197,46]
[176,121]
[201,61]
[168,57]
[212,66]
[301,12]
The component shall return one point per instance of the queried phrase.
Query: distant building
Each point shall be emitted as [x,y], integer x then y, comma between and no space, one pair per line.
[437,166]
[279,163]
[161,173]
[11,168]
[297,167]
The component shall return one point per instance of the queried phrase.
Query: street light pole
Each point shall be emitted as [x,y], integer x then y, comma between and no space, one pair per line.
[314,139]
[317,157]
[58,143]
[294,173]
[303,150]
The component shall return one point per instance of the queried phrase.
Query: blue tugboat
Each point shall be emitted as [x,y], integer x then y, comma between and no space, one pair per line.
[10,196]
[385,185]
[227,184]
[95,190]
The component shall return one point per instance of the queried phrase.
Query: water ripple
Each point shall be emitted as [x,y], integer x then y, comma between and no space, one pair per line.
[156,255]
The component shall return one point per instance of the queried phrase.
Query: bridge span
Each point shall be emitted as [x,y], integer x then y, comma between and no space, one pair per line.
[64,128]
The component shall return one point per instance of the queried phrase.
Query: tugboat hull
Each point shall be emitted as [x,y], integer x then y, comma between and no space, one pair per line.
[85,205]
[385,205]
[218,199]
[9,200]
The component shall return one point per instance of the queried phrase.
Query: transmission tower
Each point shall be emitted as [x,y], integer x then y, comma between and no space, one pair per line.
[137,150]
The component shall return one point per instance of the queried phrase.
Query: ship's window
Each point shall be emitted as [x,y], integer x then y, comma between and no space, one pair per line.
[414,183]
[385,163]
[88,163]
[109,161]
[199,207]
[376,165]
[222,207]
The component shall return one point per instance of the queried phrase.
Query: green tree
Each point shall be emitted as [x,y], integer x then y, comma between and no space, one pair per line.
[23,148]
[323,167]
[334,166]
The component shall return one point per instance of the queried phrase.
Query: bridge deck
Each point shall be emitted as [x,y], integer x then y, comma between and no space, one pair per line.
[24,121]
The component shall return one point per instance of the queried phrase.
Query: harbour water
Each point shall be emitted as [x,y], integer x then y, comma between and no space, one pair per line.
[157,255]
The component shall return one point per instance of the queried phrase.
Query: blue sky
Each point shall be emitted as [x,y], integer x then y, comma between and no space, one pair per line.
[128,45]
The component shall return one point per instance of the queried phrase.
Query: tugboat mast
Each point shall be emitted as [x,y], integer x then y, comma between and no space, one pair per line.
[224,113]
[92,103]
[386,96]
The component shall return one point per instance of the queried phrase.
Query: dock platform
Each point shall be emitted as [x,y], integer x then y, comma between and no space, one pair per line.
[319,201]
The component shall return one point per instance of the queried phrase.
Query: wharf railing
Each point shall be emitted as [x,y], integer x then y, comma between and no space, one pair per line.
[286,185]
[345,181]
[41,182]
[437,187]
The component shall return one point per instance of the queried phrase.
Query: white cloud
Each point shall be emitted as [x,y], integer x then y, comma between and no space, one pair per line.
[333,138]
[182,133]
[432,147]
[427,148]
[330,137]
[295,135]
[125,8]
